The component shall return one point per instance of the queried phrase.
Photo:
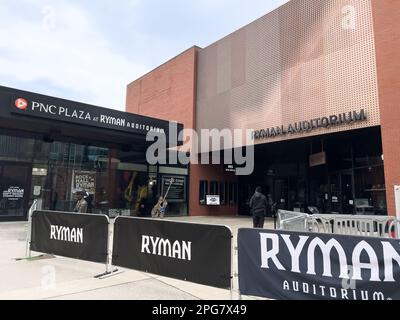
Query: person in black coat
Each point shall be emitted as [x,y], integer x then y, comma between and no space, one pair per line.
[259,208]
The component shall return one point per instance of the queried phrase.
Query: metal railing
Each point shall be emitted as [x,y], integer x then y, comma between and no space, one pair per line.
[369,226]
[292,221]
[36,205]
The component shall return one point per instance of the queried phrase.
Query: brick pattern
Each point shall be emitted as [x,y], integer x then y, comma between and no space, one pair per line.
[386,15]
[209,173]
[167,92]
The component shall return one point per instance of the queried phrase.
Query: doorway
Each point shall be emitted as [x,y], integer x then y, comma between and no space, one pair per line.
[342,192]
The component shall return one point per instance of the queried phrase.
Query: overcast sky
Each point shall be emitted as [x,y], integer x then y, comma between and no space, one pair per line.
[89,51]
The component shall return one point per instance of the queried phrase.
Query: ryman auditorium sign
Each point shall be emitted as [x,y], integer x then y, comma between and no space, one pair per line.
[311,125]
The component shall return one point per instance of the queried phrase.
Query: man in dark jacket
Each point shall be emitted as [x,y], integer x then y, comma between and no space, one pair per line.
[259,207]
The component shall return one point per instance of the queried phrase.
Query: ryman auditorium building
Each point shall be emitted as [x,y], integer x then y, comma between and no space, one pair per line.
[317,82]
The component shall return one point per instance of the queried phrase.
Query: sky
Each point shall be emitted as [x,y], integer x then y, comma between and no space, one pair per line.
[88,51]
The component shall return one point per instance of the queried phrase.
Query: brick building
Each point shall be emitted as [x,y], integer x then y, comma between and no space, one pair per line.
[317,82]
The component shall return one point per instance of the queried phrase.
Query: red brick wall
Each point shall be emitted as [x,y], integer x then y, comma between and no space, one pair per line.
[209,173]
[167,92]
[386,15]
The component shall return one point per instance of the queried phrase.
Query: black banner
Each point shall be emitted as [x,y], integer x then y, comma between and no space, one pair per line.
[308,266]
[194,252]
[72,235]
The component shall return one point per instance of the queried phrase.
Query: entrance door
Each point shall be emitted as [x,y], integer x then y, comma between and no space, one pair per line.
[347,193]
[15,190]
[281,193]
[341,193]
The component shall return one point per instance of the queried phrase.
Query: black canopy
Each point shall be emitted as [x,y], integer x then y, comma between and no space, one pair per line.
[39,116]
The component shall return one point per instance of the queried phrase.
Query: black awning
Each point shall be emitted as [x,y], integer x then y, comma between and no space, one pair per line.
[53,119]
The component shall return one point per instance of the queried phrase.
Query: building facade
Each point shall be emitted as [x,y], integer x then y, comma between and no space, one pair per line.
[50,148]
[316,83]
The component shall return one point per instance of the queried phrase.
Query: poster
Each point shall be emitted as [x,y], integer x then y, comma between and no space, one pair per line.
[84,180]
[177,191]
[13,193]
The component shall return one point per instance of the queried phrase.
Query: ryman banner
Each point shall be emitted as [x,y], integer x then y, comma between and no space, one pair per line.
[193,252]
[308,266]
[72,235]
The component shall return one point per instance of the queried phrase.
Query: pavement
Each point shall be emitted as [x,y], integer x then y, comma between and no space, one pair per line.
[57,278]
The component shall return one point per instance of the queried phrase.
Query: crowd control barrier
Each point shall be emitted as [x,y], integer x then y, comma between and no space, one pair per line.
[362,225]
[36,205]
[292,221]
[281,264]
[78,236]
[197,253]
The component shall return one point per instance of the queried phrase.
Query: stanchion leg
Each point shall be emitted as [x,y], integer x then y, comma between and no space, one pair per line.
[108,274]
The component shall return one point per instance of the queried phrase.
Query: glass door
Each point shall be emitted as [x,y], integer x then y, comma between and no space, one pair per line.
[347,192]
[281,193]
[341,193]
[334,184]
[15,183]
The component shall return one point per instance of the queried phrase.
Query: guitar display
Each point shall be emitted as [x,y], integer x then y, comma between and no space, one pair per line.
[159,209]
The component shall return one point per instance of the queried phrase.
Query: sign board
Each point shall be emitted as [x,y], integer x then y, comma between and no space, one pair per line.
[37,190]
[230,168]
[213,201]
[177,192]
[14,193]
[50,108]
[84,180]
[194,252]
[317,159]
[308,266]
[72,235]
[312,125]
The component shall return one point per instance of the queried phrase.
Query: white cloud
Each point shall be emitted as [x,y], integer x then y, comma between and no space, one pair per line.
[62,47]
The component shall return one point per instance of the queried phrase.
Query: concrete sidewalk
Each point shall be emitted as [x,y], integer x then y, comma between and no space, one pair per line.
[67,279]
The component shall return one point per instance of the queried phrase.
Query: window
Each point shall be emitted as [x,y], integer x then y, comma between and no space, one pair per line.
[214,188]
[233,193]
[203,190]
[222,191]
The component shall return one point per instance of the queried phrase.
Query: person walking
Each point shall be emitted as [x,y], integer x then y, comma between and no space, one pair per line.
[259,207]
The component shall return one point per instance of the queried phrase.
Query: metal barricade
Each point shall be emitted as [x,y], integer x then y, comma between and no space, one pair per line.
[292,221]
[36,205]
[369,226]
